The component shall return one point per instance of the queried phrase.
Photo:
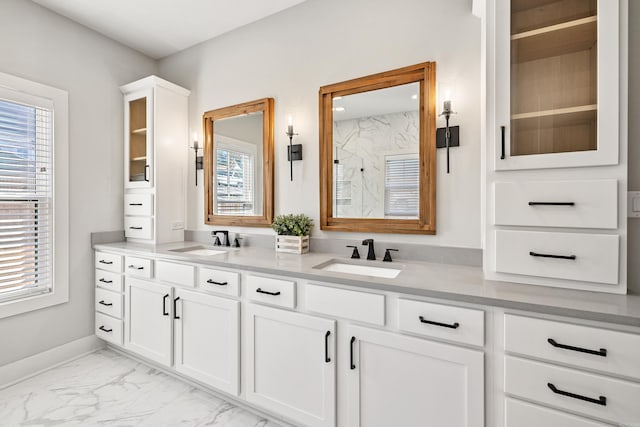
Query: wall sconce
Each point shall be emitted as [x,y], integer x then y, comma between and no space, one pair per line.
[294,151]
[199,159]
[448,136]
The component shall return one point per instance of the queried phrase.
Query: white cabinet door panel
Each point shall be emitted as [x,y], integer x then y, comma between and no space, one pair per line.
[397,380]
[206,340]
[290,371]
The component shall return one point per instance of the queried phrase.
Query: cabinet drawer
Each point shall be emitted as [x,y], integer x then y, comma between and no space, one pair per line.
[586,257]
[140,267]
[109,329]
[272,291]
[608,398]
[109,280]
[578,204]
[458,324]
[353,305]
[219,281]
[522,414]
[546,339]
[138,204]
[108,302]
[138,227]
[109,262]
[181,274]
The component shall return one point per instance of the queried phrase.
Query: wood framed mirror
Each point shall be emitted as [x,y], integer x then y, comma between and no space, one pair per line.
[238,164]
[378,152]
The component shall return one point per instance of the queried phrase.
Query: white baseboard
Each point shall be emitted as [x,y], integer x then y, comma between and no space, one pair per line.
[33,365]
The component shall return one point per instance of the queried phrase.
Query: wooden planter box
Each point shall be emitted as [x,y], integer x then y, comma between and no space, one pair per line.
[292,244]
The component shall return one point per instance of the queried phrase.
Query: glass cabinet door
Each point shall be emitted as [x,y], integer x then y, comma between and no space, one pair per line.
[138,141]
[553,87]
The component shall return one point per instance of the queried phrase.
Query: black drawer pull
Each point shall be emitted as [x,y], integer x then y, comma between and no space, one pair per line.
[106,281]
[108,304]
[602,400]
[135,228]
[552,204]
[217,283]
[260,291]
[602,352]
[133,267]
[105,262]
[164,305]
[102,328]
[536,254]
[353,365]
[444,325]
[135,204]
[175,308]
[503,130]
[327,359]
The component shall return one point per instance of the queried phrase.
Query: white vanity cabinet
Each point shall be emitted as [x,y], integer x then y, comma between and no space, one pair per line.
[395,380]
[291,364]
[207,339]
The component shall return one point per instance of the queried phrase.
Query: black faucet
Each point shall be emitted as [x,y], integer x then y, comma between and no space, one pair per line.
[371,256]
[355,254]
[226,237]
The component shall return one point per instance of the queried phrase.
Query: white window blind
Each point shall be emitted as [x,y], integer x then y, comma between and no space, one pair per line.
[402,186]
[26,199]
[234,182]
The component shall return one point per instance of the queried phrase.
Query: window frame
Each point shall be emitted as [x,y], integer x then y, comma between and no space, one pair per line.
[387,189]
[16,89]
[226,143]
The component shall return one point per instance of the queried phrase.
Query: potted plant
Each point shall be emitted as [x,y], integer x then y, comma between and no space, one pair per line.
[292,233]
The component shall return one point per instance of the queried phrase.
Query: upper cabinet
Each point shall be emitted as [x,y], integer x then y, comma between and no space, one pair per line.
[557,83]
[156,128]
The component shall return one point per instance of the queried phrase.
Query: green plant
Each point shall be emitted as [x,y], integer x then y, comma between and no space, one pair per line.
[292,225]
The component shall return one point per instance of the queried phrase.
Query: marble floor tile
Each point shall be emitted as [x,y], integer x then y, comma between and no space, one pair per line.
[107,389]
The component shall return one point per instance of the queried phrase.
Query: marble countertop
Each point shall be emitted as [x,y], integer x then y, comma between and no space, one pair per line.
[434,280]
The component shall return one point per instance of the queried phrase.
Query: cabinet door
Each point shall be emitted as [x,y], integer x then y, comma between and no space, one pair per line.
[138,138]
[147,320]
[395,380]
[291,364]
[206,339]
[557,83]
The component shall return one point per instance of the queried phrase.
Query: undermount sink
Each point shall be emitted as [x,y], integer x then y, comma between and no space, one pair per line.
[359,269]
[198,250]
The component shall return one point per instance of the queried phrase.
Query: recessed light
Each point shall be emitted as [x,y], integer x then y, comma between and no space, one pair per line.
[338,109]
[337,98]
[415,96]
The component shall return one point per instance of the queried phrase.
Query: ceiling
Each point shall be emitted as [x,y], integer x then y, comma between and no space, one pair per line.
[396,99]
[159,28]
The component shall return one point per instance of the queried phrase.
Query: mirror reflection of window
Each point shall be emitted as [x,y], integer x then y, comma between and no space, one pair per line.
[376,144]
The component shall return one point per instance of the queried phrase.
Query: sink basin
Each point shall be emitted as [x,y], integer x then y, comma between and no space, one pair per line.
[198,250]
[359,269]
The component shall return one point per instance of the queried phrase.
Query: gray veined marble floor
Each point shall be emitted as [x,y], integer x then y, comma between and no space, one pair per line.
[107,389]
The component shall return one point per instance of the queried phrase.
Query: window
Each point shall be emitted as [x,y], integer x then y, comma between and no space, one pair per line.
[234,181]
[33,264]
[402,186]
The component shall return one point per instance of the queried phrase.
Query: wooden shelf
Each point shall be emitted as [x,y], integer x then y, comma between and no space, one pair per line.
[139,159]
[560,117]
[554,40]
[141,131]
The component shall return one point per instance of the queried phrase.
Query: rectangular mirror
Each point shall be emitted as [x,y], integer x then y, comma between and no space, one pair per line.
[377,142]
[238,164]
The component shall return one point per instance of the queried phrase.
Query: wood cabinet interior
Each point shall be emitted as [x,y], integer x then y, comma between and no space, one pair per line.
[553,76]
[137,139]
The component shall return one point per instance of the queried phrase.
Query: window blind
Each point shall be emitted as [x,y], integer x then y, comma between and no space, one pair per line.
[26,200]
[234,182]
[402,187]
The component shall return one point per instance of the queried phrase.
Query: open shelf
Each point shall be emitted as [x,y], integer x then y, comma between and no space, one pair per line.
[139,159]
[559,112]
[553,40]
[140,131]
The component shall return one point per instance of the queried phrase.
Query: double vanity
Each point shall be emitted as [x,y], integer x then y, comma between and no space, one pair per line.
[323,340]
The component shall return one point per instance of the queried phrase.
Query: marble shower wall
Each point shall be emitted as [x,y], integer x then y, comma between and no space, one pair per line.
[361,146]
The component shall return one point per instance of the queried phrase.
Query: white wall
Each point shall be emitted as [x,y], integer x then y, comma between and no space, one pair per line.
[289,56]
[38,45]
